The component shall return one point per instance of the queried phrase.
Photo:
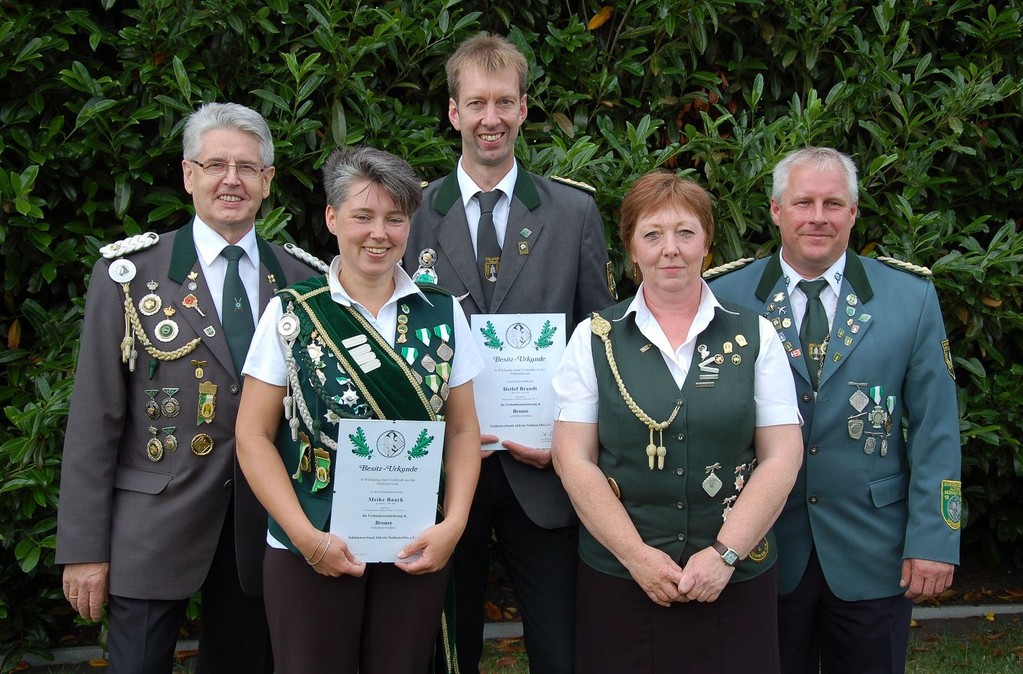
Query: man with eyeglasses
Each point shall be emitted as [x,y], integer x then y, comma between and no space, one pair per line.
[152,505]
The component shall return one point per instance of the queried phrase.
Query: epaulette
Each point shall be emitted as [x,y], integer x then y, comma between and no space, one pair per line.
[906,266]
[132,244]
[433,288]
[722,269]
[310,259]
[579,185]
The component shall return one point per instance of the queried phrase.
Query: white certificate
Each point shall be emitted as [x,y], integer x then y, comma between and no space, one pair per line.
[385,484]
[514,396]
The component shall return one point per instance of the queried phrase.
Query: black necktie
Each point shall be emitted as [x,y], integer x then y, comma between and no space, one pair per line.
[814,329]
[236,316]
[488,250]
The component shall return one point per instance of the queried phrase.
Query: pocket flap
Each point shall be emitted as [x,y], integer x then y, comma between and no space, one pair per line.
[888,490]
[144,481]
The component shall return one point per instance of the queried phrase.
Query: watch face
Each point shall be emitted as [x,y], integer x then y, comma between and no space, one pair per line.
[730,557]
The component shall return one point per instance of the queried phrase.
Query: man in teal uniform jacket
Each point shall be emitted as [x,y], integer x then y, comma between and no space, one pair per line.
[873,520]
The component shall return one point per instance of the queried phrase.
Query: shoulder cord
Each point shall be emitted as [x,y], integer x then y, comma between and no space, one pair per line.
[602,328]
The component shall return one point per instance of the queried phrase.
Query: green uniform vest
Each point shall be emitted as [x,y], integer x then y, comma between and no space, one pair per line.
[715,424]
[411,383]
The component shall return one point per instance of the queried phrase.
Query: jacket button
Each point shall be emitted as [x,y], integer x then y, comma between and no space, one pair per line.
[807,397]
[814,449]
[814,499]
[680,437]
[234,388]
[681,537]
[680,505]
[229,483]
[680,471]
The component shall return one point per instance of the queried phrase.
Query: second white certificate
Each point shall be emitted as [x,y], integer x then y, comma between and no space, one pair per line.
[514,396]
[386,484]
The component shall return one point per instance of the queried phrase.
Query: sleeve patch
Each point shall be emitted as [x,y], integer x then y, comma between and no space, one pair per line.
[952,503]
[947,350]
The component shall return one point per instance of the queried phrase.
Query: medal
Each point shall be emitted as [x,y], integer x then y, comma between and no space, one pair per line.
[855,428]
[154,448]
[170,405]
[152,408]
[207,403]
[426,273]
[523,247]
[726,347]
[166,330]
[198,365]
[322,461]
[170,443]
[712,483]
[402,329]
[869,445]
[151,302]
[202,444]
[121,270]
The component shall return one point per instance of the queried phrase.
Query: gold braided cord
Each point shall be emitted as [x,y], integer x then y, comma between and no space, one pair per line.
[601,328]
[136,325]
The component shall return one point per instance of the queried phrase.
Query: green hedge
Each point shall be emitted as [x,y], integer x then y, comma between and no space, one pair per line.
[925,96]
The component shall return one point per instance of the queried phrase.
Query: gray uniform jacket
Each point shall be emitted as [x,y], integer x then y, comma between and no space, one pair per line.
[553,260]
[158,521]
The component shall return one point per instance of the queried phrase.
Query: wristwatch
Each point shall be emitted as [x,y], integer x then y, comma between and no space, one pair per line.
[728,556]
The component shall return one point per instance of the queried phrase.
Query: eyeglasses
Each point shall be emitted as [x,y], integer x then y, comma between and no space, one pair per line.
[217,169]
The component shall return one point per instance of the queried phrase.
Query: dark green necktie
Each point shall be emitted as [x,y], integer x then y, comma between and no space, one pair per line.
[236,316]
[488,250]
[814,329]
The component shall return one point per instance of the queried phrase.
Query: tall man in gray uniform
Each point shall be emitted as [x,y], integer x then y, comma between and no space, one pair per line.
[152,504]
[873,520]
[536,246]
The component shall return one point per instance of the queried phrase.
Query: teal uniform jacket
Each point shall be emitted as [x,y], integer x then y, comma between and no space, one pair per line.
[872,490]
[715,426]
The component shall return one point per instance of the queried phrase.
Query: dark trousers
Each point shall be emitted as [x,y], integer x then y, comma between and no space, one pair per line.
[818,632]
[541,564]
[383,622]
[233,635]
[621,630]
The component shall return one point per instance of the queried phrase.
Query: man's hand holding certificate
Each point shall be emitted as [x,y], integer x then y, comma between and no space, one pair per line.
[514,397]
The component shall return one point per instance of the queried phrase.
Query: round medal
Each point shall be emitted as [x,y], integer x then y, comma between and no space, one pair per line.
[288,326]
[171,407]
[166,330]
[121,270]
[202,444]
[150,304]
[152,409]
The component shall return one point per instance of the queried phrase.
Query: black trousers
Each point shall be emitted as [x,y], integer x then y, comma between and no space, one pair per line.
[233,636]
[621,630]
[383,622]
[541,564]
[818,632]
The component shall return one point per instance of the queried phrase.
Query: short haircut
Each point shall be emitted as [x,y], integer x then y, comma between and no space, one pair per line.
[820,158]
[491,54]
[345,167]
[662,189]
[226,116]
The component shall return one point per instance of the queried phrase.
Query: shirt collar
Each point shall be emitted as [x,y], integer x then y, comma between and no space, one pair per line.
[403,285]
[833,275]
[209,244]
[468,187]
[704,313]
